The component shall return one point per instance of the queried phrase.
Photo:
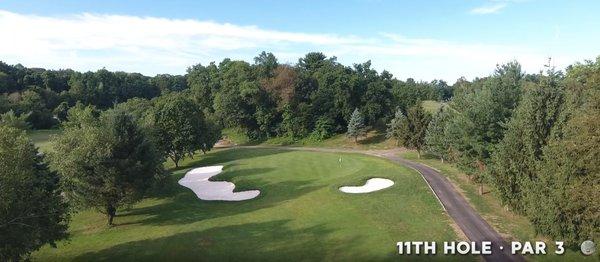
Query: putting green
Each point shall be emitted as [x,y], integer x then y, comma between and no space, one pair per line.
[300,214]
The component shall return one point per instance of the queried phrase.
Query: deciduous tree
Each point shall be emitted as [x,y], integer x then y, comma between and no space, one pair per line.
[106,164]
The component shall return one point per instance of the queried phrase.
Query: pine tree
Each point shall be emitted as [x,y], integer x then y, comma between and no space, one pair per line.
[514,160]
[418,120]
[398,128]
[356,126]
[435,138]
[33,212]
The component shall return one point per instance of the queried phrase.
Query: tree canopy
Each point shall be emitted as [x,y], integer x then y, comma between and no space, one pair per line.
[107,163]
[32,211]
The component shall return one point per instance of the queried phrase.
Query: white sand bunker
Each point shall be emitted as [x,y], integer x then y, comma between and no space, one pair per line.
[372,185]
[197,180]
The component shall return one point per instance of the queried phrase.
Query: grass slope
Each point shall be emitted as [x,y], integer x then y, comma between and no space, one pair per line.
[375,139]
[300,214]
[512,226]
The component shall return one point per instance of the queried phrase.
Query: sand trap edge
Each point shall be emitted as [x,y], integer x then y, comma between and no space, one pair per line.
[372,185]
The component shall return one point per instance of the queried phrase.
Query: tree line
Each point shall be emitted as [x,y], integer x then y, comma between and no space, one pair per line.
[510,130]
[534,139]
[118,128]
[316,96]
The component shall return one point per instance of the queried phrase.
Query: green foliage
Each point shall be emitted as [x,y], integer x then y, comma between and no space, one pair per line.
[323,129]
[436,141]
[356,126]
[104,88]
[514,162]
[80,115]
[417,121]
[169,83]
[181,128]
[106,164]
[33,103]
[265,64]
[562,202]
[397,128]
[11,119]
[482,111]
[33,213]
[61,112]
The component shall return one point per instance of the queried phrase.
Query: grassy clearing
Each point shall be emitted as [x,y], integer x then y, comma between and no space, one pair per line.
[375,139]
[41,138]
[512,226]
[300,214]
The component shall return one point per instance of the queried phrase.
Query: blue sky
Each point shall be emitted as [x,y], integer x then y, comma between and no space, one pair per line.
[419,39]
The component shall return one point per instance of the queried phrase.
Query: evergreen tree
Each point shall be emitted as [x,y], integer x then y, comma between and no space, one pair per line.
[417,120]
[435,138]
[33,213]
[514,160]
[356,126]
[397,128]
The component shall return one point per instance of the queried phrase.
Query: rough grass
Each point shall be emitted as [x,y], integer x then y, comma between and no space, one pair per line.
[512,226]
[299,215]
[41,138]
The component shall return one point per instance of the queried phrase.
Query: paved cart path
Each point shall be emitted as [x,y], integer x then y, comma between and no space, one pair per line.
[470,222]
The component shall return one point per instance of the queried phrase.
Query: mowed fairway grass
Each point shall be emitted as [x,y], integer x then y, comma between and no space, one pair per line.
[299,215]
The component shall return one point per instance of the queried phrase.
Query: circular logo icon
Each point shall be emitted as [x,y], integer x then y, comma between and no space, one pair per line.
[588,247]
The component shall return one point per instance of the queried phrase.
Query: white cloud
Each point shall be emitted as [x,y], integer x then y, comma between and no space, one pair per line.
[488,9]
[152,45]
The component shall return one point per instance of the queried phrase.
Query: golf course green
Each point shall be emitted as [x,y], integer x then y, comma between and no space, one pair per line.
[299,214]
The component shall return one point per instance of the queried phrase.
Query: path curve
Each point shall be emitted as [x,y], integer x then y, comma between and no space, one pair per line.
[470,222]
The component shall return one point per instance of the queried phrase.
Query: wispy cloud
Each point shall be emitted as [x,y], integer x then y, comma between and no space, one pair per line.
[152,45]
[488,9]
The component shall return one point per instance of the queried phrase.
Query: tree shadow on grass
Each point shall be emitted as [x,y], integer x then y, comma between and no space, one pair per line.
[272,240]
[264,241]
[374,139]
[184,207]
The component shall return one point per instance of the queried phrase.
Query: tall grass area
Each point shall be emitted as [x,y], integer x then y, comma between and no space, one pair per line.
[300,214]
[512,226]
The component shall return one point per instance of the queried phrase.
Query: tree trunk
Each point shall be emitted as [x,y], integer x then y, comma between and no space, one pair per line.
[110,214]
[356,139]
[481,188]
[441,158]
[419,153]
[175,160]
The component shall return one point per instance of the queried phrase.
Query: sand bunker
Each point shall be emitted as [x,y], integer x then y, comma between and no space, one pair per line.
[197,180]
[372,184]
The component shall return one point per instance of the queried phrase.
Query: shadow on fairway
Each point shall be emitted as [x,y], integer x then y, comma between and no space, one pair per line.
[181,205]
[273,240]
[265,241]
[185,207]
